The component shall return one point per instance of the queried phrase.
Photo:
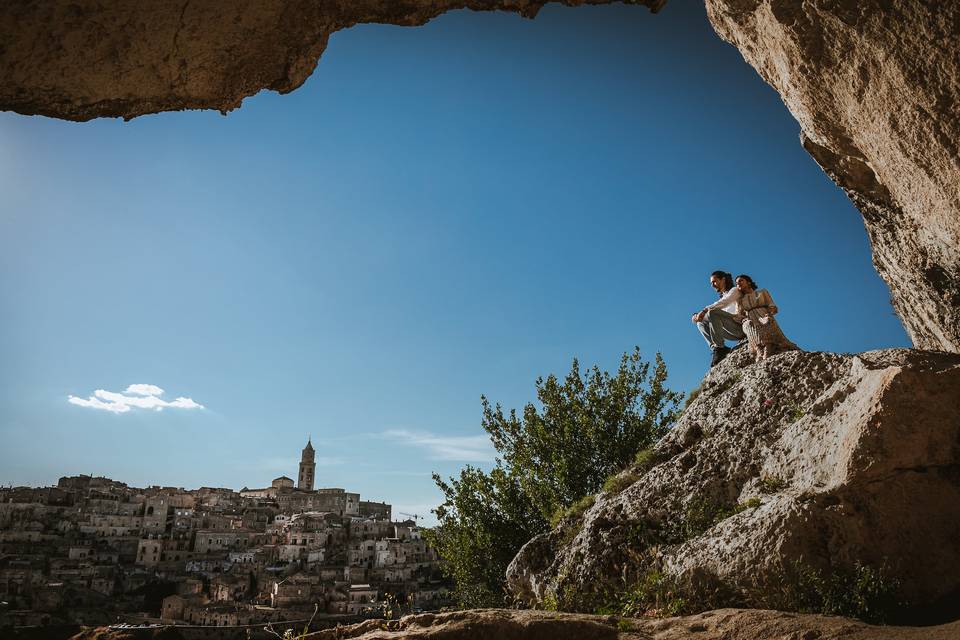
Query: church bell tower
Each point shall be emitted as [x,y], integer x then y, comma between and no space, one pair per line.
[307,467]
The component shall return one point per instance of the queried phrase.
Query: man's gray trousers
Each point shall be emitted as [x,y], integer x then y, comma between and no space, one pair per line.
[719,325]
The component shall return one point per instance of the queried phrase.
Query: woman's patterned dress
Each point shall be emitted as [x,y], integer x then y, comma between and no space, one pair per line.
[756,310]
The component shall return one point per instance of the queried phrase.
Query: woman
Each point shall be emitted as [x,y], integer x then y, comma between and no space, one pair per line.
[755,310]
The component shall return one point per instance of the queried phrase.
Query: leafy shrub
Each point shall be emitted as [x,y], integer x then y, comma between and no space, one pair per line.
[620,481]
[645,459]
[584,427]
[654,593]
[575,510]
[867,592]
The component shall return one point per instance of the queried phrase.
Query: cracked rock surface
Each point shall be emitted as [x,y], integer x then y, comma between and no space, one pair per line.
[833,460]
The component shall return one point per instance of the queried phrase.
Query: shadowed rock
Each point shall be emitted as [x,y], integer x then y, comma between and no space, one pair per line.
[805,464]
[83,59]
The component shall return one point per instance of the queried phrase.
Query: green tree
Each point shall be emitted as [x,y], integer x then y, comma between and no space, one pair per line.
[483,522]
[582,430]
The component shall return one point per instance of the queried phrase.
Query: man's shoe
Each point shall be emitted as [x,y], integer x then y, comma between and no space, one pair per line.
[718,355]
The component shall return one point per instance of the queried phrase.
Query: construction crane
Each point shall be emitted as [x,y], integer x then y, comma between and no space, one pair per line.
[410,515]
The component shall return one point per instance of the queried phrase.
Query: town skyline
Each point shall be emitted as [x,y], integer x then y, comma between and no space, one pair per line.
[305,465]
[95,550]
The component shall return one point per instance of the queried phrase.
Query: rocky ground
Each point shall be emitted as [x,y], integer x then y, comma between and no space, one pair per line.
[499,624]
[807,481]
[723,624]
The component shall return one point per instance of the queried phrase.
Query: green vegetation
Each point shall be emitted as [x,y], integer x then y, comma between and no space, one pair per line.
[772,484]
[654,593]
[693,396]
[584,428]
[575,510]
[645,459]
[625,626]
[550,602]
[620,481]
[795,412]
[701,515]
[866,592]
[290,634]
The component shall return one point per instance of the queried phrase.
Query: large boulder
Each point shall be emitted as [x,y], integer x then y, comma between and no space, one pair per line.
[779,476]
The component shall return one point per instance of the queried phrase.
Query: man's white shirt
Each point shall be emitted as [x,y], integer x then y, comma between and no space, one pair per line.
[727,302]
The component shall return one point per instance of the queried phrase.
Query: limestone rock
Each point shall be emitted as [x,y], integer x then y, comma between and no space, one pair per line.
[498,624]
[875,86]
[834,460]
[83,59]
[726,624]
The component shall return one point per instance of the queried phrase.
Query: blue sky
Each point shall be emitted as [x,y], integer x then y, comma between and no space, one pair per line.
[438,213]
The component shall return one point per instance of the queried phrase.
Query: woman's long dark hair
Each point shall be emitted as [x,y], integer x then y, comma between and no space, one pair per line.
[749,280]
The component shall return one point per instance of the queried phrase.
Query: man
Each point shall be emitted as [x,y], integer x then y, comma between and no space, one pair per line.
[716,321]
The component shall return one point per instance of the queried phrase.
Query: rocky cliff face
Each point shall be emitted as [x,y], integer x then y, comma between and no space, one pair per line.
[796,469]
[874,85]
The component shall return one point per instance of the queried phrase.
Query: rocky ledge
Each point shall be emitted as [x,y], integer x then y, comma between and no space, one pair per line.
[500,624]
[727,624]
[807,481]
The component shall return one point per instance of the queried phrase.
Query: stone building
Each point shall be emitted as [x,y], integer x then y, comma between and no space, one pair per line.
[94,547]
[283,482]
[308,466]
[362,598]
[209,541]
[375,510]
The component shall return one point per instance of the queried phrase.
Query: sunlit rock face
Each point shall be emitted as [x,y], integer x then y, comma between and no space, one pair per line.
[803,464]
[874,85]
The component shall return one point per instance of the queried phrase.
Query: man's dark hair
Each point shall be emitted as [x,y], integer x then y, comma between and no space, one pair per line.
[727,279]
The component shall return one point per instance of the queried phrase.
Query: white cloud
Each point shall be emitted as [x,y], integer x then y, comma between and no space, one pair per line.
[136,396]
[463,448]
[144,390]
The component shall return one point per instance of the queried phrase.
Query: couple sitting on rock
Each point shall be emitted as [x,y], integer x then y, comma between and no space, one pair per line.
[743,313]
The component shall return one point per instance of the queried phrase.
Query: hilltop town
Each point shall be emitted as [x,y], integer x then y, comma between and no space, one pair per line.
[92,550]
